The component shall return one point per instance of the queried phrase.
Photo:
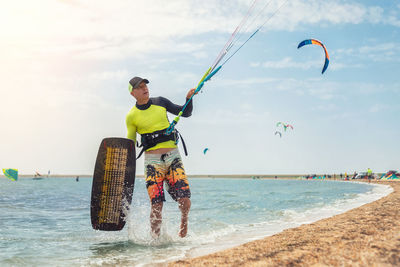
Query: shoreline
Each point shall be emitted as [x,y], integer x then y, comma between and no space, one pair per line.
[229,176]
[365,236]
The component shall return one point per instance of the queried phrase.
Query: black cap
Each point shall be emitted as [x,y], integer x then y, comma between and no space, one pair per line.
[135,82]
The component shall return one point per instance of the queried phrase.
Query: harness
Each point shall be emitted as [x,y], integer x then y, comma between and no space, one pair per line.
[150,140]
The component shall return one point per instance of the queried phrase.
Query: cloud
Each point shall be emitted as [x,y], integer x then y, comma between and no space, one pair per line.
[100,28]
[299,13]
[326,107]
[289,63]
[319,88]
[376,52]
[286,62]
[377,108]
[393,16]
[396,88]
[227,117]
[107,29]
[245,82]
[324,92]
[381,52]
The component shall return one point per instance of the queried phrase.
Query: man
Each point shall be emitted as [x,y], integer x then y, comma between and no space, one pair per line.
[162,160]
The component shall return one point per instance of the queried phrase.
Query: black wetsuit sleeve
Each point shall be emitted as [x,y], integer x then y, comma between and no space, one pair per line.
[175,109]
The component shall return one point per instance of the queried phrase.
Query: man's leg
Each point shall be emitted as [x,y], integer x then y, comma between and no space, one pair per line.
[184,206]
[178,188]
[156,219]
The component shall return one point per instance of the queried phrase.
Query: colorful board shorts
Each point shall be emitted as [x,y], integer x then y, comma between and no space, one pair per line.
[169,168]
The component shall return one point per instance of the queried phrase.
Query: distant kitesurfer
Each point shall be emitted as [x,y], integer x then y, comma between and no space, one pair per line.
[162,160]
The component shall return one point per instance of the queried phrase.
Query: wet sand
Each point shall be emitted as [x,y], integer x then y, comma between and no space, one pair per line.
[365,236]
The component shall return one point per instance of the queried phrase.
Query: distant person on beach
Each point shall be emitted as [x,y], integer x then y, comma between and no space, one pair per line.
[369,173]
[77,178]
[162,161]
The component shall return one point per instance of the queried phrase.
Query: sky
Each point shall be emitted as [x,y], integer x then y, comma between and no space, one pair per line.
[65,67]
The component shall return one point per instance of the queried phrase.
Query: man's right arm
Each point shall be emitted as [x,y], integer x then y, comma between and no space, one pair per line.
[131,129]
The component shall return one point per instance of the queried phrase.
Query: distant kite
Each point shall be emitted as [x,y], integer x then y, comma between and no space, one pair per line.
[316,42]
[288,126]
[205,151]
[280,134]
[11,174]
[285,125]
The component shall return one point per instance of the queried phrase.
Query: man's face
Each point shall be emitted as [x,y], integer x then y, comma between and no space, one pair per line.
[141,93]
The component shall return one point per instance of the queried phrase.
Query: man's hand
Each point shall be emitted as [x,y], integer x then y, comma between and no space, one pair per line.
[190,93]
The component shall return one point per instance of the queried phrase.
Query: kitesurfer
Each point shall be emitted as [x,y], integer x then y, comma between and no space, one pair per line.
[162,160]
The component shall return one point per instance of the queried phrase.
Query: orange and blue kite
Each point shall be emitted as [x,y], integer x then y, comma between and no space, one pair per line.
[316,42]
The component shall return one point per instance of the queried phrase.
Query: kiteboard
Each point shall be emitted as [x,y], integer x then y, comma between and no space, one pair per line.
[113,183]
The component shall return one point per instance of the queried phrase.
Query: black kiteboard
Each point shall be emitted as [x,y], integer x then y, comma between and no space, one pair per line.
[113,182]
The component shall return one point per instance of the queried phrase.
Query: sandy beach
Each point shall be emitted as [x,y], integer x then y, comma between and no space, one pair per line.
[365,236]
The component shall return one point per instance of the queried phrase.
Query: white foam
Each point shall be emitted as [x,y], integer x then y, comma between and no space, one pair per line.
[240,234]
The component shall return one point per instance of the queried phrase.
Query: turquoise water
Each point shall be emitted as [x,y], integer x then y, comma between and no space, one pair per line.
[47,222]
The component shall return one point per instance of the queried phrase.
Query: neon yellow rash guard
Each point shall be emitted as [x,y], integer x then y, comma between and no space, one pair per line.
[151,117]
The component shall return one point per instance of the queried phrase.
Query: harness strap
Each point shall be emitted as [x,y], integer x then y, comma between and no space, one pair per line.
[183,142]
[141,152]
[152,139]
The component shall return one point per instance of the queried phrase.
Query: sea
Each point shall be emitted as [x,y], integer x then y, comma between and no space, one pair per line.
[47,222]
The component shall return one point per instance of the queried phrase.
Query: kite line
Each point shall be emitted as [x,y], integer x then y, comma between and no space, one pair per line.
[236,35]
